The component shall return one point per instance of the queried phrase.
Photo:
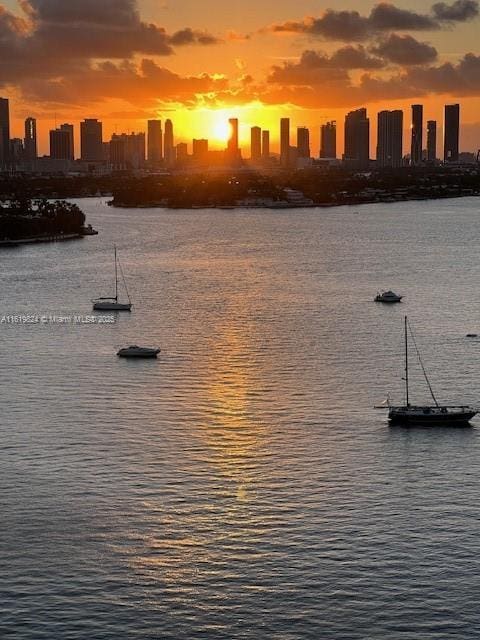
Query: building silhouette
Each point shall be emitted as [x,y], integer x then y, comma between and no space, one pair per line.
[169,150]
[181,152]
[200,150]
[431,140]
[265,144]
[451,132]
[155,141]
[4,133]
[390,139]
[303,142]
[91,140]
[357,139]
[127,151]
[61,143]
[233,150]
[328,140]
[255,144]
[417,135]
[30,140]
[285,142]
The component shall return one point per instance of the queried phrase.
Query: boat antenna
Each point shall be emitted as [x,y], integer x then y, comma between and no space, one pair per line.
[116,273]
[421,363]
[406,362]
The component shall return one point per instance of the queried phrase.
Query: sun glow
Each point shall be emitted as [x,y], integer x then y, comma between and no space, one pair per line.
[221,130]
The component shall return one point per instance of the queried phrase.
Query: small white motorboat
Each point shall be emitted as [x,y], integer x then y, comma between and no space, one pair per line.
[138,352]
[388,296]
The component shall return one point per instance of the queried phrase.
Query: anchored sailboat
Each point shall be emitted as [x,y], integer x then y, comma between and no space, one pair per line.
[435,414]
[112,304]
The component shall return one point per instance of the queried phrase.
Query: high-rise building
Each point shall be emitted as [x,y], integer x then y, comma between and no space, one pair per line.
[30,140]
[169,144]
[256,144]
[91,140]
[431,140]
[127,151]
[451,132]
[232,145]
[285,142]
[328,143]
[357,139]
[265,145]
[417,134]
[155,141]
[4,132]
[200,150]
[390,139]
[181,152]
[61,144]
[303,142]
[17,151]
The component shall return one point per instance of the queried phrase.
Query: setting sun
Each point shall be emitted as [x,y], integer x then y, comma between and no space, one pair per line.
[221,131]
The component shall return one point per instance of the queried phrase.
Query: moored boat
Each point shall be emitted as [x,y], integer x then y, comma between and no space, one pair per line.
[388,297]
[112,303]
[428,415]
[138,352]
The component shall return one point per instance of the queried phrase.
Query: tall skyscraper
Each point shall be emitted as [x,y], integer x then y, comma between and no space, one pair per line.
[168,144]
[4,132]
[127,151]
[431,140]
[30,140]
[155,141]
[265,145]
[61,144]
[232,144]
[451,132]
[303,142]
[417,134]
[91,140]
[390,139]
[256,144]
[285,142]
[68,129]
[328,140]
[357,139]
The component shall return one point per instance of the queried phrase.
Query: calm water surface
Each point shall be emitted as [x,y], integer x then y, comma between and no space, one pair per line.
[242,486]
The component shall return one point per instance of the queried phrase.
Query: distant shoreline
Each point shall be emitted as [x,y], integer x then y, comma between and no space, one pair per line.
[88,231]
[287,206]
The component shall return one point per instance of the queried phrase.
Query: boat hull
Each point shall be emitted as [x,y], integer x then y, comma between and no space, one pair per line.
[138,352]
[432,418]
[112,306]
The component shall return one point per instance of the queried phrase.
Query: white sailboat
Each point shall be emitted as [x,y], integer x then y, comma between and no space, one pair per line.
[112,303]
[429,415]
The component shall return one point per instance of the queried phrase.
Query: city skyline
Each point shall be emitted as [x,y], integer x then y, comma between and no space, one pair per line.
[309,61]
[156,146]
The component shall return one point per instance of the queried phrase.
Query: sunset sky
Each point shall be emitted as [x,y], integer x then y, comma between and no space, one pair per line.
[201,62]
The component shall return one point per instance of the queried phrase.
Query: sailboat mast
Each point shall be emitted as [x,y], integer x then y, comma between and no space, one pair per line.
[116,274]
[406,362]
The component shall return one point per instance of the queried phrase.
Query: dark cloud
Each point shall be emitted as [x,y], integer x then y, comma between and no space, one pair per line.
[81,30]
[385,17]
[405,50]
[146,84]
[192,36]
[333,25]
[351,25]
[459,11]
[316,68]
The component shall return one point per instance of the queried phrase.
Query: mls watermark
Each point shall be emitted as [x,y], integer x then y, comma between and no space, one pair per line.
[48,318]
